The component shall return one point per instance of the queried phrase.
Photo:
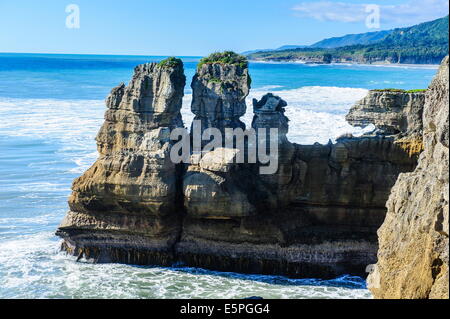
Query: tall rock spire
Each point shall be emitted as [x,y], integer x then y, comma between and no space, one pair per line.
[152,99]
[132,187]
[219,89]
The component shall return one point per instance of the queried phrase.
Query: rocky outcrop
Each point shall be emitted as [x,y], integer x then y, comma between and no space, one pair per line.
[391,111]
[413,254]
[218,95]
[125,207]
[316,215]
[335,201]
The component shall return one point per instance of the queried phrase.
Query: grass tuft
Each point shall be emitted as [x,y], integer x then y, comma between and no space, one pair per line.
[170,62]
[226,57]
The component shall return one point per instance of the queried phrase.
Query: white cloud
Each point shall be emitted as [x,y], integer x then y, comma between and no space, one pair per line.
[410,12]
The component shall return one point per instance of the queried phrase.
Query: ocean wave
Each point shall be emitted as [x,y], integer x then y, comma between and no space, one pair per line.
[31,267]
[69,124]
[316,114]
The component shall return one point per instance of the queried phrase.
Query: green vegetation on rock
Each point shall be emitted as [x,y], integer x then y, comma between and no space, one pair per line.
[416,91]
[400,90]
[170,62]
[214,80]
[226,57]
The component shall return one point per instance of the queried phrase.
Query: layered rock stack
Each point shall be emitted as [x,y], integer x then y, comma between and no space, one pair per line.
[315,215]
[393,112]
[269,114]
[219,89]
[210,187]
[124,208]
[413,253]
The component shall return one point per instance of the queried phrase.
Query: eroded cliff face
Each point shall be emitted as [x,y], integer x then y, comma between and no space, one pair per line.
[218,95]
[392,112]
[413,254]
[125,207]
[316,216]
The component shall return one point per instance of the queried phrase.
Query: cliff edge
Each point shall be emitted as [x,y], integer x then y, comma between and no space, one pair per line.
[413,240]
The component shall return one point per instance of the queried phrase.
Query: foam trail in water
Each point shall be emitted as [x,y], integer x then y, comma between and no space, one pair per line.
[33,268]
[316,114]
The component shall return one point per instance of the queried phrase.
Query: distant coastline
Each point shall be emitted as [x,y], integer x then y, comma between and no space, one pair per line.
[351,63]
[425,43]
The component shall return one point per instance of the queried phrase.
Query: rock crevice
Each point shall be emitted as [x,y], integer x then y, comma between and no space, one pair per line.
[413,253]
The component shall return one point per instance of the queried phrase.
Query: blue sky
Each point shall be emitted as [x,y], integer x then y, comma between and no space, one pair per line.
[193,27]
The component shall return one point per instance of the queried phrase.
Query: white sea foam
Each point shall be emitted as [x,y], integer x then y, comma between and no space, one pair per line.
[316,113]
[401,66]
[33,268]
[72,123]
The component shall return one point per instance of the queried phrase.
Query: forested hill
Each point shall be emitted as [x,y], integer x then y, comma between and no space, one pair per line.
[352,39]
[425,43]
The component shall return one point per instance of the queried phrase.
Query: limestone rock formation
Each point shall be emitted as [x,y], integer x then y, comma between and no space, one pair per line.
[219,187]
[213,188]
[210,187]
[413,253]
[269,114]
[316,215]
[285,182]
[127,201]
[391,111]
[218,95]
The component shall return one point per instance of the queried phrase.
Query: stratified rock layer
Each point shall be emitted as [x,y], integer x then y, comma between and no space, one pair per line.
[413,254]
[326,229]
[391,112]
[126,203]
[315,216]
[218,95]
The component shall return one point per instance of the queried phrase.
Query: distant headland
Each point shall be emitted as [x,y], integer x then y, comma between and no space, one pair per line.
[425,43]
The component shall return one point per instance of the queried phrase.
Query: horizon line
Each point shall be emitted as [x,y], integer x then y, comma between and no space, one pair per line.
[104,54]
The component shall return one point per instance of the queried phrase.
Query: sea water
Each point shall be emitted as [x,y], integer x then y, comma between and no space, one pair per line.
[51,107]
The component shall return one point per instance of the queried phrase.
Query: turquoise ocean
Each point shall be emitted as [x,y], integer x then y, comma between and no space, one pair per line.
[51,107]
